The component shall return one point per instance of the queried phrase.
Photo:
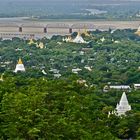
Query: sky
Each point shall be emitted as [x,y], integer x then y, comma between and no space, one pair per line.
[68,0]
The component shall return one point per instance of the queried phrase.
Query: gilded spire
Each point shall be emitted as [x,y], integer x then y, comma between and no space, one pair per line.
[86,32]
[79,34]
[31,42]
[41,45]
[138,31]
[70,38]
[20,61]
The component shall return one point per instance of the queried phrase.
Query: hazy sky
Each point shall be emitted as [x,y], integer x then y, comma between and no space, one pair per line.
[68,0]
[38,7]
[92,1]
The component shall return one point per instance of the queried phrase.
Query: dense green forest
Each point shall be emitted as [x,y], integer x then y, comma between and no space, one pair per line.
[34,105]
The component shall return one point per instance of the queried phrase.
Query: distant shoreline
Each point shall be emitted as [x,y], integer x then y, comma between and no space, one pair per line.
[20,19]
[14,18]
[73,20]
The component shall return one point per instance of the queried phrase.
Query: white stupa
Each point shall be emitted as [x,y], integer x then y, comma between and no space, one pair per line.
[79,39]
[123,105]
[19,66]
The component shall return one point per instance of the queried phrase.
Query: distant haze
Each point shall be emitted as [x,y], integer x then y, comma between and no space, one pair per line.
[9,8]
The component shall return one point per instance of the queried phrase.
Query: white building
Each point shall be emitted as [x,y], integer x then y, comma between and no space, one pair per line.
[56,71]
[58,75]
[136,86]
[43,71]
[116,41]
[76,70]
[120,87]
[19,66]
[88,68]
[123,105]
[117,87]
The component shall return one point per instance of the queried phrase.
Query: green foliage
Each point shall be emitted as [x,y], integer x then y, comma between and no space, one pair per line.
[37,106]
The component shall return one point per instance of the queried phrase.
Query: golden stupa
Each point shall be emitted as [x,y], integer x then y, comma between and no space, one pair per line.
[86,33]
[70,39]
[138,32]
[41,45]
[31,42]
[78,34]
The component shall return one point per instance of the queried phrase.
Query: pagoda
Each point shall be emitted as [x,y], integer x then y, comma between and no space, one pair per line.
[123,105]
[79,39]
[68,39]
[40,45]
[102,39]
[86,33]
[138,31]
[19,66]
[31,42]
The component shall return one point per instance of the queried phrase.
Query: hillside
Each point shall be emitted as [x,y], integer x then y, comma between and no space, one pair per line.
[38,104]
